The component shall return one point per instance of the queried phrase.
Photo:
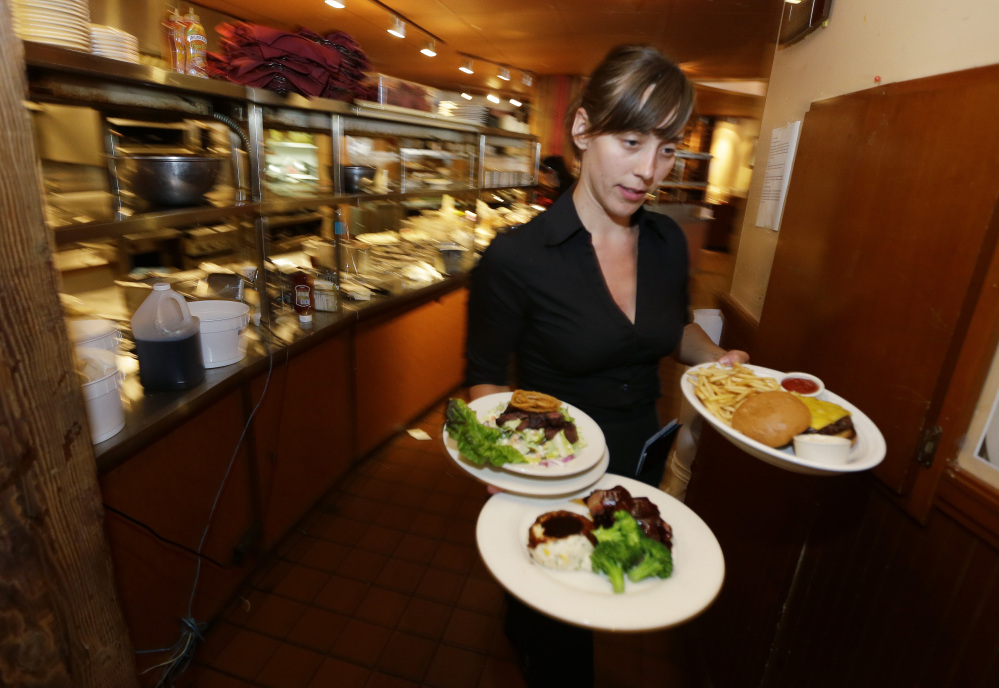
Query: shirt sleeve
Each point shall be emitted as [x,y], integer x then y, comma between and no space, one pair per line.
[497,311]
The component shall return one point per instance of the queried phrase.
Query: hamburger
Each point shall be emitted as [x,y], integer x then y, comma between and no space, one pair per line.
[772,418]
[828,418]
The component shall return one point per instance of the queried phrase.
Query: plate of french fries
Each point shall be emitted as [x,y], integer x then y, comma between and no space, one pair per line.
[716,390]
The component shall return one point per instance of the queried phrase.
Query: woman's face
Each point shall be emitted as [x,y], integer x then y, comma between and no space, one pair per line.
[619,169]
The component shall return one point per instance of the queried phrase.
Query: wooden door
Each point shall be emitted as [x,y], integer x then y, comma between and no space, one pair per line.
[886,238]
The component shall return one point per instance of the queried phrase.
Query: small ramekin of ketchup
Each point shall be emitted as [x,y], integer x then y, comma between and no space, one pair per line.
[802,383]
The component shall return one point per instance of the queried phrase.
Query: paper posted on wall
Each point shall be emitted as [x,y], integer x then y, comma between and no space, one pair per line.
[783,144]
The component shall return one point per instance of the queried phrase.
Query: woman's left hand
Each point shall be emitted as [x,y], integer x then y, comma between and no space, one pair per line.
[733,357]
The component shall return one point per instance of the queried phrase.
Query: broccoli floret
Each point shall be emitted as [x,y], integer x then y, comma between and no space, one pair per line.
[608,558]
[618,548]
[656,561]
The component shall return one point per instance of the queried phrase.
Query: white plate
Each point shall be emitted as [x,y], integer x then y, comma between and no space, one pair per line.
[526,484]
[867,453]
[588,457]
[586,599]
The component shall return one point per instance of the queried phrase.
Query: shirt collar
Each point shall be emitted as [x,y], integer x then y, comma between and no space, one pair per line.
[563,220]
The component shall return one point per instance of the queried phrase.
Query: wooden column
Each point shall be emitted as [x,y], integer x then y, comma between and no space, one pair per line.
[60,624]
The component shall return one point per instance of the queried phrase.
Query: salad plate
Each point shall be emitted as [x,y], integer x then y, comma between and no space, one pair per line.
[867,453]
[491,405]
[586,599]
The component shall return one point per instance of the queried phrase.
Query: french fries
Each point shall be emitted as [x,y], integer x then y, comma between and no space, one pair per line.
[722,388]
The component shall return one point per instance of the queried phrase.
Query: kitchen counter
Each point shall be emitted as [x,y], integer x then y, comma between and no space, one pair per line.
[149,417]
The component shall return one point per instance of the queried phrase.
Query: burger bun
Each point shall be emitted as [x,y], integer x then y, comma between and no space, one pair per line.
[772,418]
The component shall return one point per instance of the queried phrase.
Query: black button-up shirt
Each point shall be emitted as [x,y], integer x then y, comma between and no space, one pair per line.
[538,294]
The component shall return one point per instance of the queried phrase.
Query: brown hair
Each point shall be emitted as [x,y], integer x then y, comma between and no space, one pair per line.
[635,88]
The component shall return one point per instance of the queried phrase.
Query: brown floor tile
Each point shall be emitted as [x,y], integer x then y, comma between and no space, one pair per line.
[382,680]
[275,616]
[342,529]
[482,596]
[324,555]
[428,525]
[246,654]
[402,576]
[290,667]
[422,479]
[336,673]
[407,655]
[454,667]
[501,674]
[209,678]
[361,642]
[442,504]
[355,507]
[362,565]
[470,630]
[456,558]
[271,573]
[461,532]
[301,583]
[341,595]
[380,539]
[218,637]
[441,586]
[416,548]
[317,629]
[425,617]
[382,606]
[409,495]
[396,516]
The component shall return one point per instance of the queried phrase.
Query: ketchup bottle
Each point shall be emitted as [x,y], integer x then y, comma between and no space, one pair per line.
[304,303]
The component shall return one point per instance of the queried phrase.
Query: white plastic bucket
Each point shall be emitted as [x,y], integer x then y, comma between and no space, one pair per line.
[223,331]
[101,381]
[94,333]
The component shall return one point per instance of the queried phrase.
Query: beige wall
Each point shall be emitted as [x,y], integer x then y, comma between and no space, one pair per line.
[894,39]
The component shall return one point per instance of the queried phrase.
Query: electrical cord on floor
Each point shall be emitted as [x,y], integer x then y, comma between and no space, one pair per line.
[192,632]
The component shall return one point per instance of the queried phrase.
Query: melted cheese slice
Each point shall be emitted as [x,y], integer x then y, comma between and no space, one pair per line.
[823,412]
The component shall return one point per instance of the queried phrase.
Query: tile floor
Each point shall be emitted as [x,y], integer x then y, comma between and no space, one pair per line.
[381,586]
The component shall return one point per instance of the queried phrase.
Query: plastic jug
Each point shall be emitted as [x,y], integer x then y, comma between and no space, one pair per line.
[167,341]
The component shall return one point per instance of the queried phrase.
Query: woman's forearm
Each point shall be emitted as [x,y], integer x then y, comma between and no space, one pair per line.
[696,347]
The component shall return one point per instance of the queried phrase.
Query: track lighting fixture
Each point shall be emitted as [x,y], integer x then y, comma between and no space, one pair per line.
[430,49]
[493,99]
[504,74]
[398,28]
[526,79]
[466,66]
[335,3]
[466,96]
[515,102]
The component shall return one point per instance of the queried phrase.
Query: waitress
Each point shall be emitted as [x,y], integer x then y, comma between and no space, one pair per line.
[586,299]
[589,296]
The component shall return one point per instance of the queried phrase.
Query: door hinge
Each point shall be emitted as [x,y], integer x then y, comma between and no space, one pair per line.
[928,443]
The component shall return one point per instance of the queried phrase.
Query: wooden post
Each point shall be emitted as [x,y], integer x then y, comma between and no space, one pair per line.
[60,624]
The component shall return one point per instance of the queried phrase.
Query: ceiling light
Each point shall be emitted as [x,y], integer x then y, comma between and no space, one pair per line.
[515,102]
[492,99]
[466,66]
[335,3]
[398,28]
[466,96]
[526,79]
[504,74]
[793,2]
[430,49]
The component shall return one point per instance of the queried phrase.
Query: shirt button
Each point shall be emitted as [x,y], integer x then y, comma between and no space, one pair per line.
[624,387]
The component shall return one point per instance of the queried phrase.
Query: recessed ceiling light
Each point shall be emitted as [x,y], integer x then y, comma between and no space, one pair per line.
[515,102]
[466,96]
[492,99]
[466,66]
[430,49]
[335,3]
[398,28]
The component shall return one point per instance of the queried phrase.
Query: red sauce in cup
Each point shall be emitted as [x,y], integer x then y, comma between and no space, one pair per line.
[799,385]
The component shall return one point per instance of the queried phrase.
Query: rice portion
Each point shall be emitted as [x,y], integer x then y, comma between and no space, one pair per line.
[570,553]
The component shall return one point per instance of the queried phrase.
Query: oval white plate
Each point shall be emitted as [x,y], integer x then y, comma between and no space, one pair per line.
[867,453]
[586,599]
[588,457]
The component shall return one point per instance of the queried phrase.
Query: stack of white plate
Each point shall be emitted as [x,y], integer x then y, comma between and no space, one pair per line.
[65,23]
[110,42]
[466,111]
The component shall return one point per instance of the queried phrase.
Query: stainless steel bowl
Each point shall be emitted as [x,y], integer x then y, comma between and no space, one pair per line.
[353,174]
[172,179]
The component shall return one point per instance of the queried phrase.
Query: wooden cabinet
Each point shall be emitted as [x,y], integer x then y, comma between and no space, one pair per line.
[406,364]
[304,432]
[158,505]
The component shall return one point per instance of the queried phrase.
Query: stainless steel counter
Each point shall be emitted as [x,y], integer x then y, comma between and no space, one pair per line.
[150,416]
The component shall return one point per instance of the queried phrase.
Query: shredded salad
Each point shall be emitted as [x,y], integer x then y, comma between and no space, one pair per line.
[531,443]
